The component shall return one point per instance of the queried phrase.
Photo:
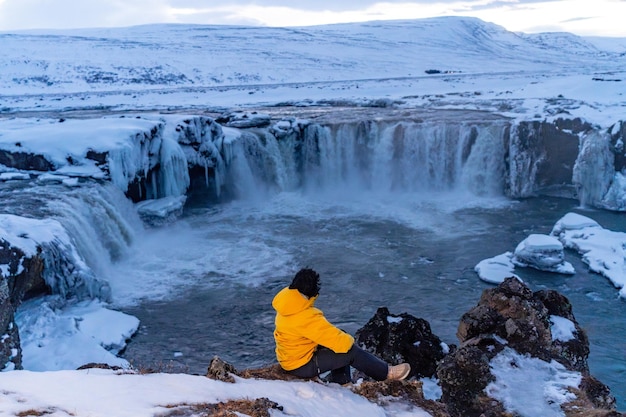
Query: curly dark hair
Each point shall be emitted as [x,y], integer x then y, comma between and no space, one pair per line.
[307,281]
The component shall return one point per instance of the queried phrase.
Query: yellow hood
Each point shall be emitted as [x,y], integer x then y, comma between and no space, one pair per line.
[288,302]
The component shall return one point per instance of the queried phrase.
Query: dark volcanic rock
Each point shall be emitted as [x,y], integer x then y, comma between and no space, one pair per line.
[465,373]
[572,353]
[25,161]
[24,277]
[402,338]
[512,316]
[514,313]
[10,339]
[598,393]
[544,158]
[618,145]
[243,120]
[220,370]
[510,312]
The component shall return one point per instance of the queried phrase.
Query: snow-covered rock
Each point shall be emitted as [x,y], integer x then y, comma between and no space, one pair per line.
[495,270]
[9,176]
[542,252]
[603,250]
[161,211]
[513,336]
[124,150]
[571,222]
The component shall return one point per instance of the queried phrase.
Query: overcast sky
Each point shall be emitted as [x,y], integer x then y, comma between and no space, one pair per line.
[582,17]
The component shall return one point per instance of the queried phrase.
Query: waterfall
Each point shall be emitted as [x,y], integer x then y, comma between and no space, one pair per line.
[95,225]
[406,157]
[483,172]
[245,167]
[370,156]
[379,156]
[100,220]
[479,157]
[257,164]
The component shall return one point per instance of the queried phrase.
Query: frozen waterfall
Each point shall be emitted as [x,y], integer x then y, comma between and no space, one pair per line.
[380,157]
[80,231]
[160,158]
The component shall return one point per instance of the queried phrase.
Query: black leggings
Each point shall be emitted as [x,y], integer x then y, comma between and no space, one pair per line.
[339,364]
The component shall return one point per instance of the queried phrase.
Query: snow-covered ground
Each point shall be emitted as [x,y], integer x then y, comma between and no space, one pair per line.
[97,392]
[175,68]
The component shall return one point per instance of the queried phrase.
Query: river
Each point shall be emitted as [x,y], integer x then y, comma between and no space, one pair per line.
[203,286]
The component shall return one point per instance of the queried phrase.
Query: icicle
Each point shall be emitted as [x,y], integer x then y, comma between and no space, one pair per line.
[138,155]
[173,173]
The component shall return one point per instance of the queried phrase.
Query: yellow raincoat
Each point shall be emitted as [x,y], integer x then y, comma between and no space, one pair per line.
[300,328]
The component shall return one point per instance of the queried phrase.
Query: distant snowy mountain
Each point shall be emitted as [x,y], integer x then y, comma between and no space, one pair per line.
[166,56]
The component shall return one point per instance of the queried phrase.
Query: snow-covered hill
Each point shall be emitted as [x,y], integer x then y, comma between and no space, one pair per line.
[437,63]
[193,56]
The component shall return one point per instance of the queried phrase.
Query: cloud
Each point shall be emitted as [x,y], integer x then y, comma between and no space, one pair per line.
[320,5]
[30,14]
[577,19]
[515,15]
[306,13]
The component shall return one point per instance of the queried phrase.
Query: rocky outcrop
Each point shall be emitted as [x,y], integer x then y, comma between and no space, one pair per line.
[537,326]
[20,277]
[511,316]
[220,370]
[542,252]
[568,158]
[618,145]
[24,161]
[402,338]
[542,156]
[10,352]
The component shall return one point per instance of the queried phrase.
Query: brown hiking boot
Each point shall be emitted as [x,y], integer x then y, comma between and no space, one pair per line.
[399,372]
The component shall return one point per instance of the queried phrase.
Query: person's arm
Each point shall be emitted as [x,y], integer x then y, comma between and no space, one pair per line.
[322,332]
